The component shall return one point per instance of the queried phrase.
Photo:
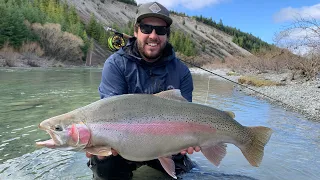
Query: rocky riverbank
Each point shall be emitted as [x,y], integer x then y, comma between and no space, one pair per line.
[14,59]
[298,95]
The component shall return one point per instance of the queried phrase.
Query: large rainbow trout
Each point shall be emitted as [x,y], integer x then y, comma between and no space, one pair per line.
[142,127]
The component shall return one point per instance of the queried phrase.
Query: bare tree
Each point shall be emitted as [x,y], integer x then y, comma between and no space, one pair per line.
[62,45]
[302,35]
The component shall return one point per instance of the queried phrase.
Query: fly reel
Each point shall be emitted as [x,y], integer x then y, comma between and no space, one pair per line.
[116,41]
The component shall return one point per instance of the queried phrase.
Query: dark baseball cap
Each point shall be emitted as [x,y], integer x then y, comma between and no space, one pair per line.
[153,9]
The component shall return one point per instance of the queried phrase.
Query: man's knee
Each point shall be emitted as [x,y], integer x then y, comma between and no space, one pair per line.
[112,167]
[182,163]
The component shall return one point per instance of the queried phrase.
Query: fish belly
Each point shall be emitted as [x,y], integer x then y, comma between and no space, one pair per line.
[147,141]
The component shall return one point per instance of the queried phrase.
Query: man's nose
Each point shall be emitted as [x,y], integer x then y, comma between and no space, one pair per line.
[153,34]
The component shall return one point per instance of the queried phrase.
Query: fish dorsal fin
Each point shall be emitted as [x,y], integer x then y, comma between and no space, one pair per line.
[231,114]
[173,94]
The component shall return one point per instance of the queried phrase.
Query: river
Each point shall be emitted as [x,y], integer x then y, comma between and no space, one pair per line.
[29,96]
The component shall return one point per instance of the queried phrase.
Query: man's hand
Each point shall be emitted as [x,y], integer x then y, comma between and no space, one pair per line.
[190,150]
[114,153]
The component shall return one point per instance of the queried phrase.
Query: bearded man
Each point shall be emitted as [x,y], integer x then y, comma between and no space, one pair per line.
[147,64]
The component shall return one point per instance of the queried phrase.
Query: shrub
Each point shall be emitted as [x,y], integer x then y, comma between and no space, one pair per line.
[32,47]
[61,45]
[256,82]
[9,55]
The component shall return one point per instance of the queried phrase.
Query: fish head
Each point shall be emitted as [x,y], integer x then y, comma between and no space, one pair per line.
[67,132]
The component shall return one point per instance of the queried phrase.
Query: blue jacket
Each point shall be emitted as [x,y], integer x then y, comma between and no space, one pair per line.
[125,72]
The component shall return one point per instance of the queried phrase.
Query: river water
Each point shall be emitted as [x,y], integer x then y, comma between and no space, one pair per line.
[28,96]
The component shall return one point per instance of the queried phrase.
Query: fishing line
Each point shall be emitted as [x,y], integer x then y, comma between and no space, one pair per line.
[237,83]
[208,90]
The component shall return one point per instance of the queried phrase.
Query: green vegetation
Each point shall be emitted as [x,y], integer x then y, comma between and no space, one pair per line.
[244,40]
[49,22]
[232,73]
[178,13]
[250,80]
[96,31]
[53,28]
[13,29]
[22,23]
[132,2]
[182,43]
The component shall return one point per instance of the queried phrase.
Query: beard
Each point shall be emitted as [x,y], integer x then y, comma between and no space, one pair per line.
[151,56]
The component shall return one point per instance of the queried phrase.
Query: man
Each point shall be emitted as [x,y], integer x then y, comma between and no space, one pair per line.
[147,64]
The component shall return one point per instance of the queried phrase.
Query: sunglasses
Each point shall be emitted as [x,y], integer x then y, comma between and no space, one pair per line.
[147,29]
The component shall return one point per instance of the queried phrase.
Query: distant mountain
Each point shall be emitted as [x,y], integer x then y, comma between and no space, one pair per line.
[212,44]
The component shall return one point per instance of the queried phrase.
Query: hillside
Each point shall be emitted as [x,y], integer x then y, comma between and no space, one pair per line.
[217,44]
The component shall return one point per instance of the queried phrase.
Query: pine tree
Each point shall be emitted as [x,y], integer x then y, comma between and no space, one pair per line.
[103,40]
[5,30]
[32,13]
[60,12]
[92,26]
[51,10]
[42,5]
[16,30]
[73,17]
[203,48]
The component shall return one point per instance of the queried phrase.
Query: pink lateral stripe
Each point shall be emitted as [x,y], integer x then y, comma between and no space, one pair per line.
[159,128]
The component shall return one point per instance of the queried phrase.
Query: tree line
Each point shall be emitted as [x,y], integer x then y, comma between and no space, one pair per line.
[14,13]
[45,22]
[53,23]
[132,2]
[242,39]
[183,43]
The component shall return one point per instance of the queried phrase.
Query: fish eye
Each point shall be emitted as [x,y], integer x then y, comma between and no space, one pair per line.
[58,128]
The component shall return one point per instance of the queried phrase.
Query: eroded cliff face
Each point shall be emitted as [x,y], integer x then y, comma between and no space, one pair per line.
[218,45]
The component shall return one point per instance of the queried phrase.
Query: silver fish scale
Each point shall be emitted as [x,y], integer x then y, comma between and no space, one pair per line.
[133,108]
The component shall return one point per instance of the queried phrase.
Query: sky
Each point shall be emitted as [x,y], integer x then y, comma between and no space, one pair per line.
[262,18]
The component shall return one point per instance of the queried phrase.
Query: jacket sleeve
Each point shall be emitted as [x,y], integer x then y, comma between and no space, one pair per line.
[186,84]
[112,79]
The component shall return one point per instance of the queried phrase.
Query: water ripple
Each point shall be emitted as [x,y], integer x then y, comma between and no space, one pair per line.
[292,152]
[12,139]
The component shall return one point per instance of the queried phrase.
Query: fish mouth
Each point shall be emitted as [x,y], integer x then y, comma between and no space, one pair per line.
[51,143]
[67,139]
[48,143]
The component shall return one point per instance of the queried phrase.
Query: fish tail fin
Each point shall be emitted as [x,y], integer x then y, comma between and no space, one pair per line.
[254,150]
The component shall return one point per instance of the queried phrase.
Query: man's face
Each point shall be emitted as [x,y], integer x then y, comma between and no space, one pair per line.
[151,45]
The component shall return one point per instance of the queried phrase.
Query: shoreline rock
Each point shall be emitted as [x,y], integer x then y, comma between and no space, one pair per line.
[298,96]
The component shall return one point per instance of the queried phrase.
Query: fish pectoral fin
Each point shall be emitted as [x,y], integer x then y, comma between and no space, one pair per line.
[215,153]
[168,165]
[173,94]
[99,150]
